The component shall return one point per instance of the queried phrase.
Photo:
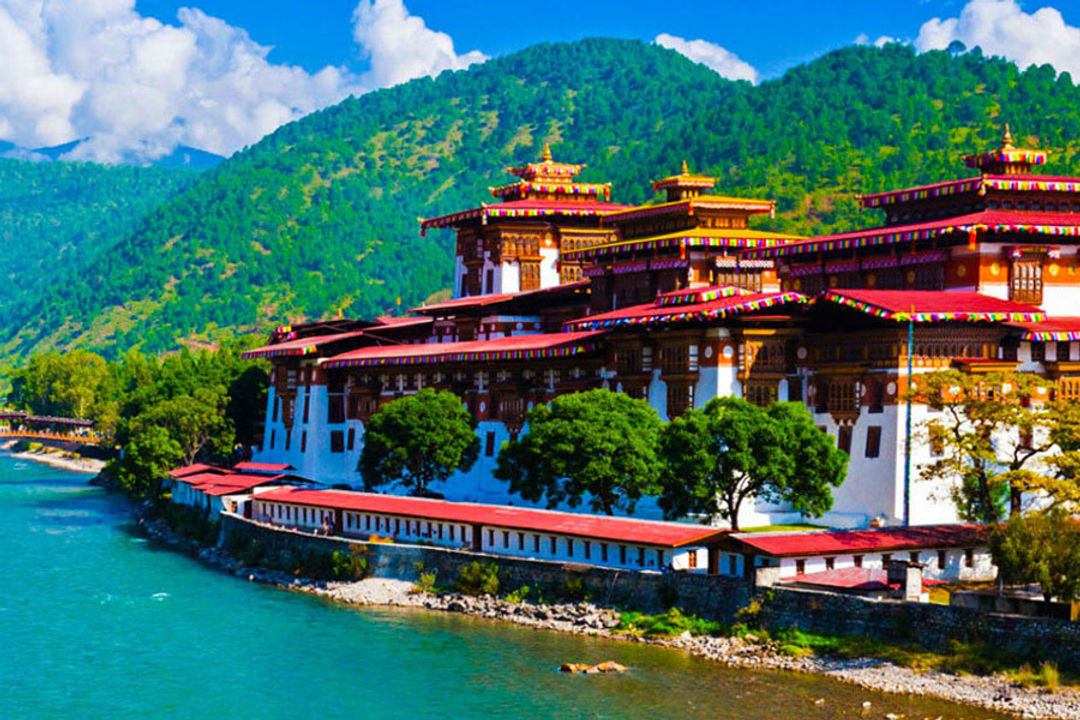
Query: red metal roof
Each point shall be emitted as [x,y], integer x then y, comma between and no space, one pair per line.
[523,209]
[840,542]
[653,313]
[933,305]
[1035,223]
[1051,329]
[233,483]
[1024,183]
[513,347]
[853,578]
[262,467]
[492,299]
[197,468]
[666,534]
[299,346]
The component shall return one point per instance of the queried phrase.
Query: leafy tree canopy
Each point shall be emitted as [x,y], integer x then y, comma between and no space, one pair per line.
[999,436]
[717,457]
[1040,548]
[418,440]
[596,444]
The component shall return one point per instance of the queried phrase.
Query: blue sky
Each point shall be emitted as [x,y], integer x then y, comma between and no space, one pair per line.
[772,35]
[139,77]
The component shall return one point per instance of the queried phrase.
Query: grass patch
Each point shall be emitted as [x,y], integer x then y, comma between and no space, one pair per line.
[1047,676]
[668,624]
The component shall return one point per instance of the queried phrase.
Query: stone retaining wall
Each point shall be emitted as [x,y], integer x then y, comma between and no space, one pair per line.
[712,597]
[931,626]
[709,597]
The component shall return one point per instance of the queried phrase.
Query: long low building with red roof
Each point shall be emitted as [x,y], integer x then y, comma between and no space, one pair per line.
[615,542]
[556,290]
[952,553]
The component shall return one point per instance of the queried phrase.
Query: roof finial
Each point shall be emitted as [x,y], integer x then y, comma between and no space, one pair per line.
[547,153]
[685,168]
[1007,139]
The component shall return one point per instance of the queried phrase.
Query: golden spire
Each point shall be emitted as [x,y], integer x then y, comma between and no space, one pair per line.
[547,153]
[685,167]
[1007,139]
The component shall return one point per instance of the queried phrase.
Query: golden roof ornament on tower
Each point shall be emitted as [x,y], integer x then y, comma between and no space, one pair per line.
[1006,159]
[546,155]
[684,185]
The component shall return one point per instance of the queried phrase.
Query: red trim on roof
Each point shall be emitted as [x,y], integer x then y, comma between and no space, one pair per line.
[1051,329]
[654,313]
[1036,223]
[299,346]
[197,468]
[614,529]
[836,542]
[523,209]
[933,305]
[492,299]
[262,467]
[514,347]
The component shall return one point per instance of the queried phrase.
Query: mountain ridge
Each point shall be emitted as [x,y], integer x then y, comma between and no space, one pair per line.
[318,219]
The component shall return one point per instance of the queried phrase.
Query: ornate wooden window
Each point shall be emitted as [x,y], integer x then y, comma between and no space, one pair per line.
[1026,279]
[841,398]
[1064,351]
[873,441]
[680,398]
[530,276]
[843,438]
[675,359]
[761,392]
[1038,351]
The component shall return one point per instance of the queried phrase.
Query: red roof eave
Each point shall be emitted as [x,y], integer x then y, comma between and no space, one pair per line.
[854,541]
[933,306]
[514,347]
[614,529]
[652,313]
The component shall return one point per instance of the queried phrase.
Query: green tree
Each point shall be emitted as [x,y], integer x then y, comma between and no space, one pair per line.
[1041,548]
[718,457]
[61,384]
[997,437]
[149,453]
[597,443]
[418,440]
[818,465]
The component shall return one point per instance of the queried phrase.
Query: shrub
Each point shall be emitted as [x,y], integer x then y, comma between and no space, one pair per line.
[348,566]
[668,624]
[478,578]
[190,522]
[575,590]
[518,596]
[425,583]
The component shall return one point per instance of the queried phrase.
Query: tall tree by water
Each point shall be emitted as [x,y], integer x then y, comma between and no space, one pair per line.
[999,436]
[1041,548]
[596,444]
[418,440]
[717,458]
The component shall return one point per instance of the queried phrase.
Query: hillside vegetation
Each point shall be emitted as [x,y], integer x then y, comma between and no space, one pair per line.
[62,215]
[319,218]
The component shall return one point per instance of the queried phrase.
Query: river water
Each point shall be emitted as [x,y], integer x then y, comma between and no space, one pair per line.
[96,622]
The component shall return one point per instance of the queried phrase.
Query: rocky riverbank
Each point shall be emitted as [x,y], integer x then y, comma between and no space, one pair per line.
[990,692]
[54,457]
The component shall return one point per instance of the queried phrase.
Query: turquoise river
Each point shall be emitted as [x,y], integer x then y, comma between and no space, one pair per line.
[96,622]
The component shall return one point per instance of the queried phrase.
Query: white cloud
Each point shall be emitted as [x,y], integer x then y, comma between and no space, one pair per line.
[1001,27]
[401,46]
[138,87]
[723,61]
[882,41]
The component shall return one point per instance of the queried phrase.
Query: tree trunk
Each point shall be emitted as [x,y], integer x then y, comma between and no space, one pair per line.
[1015,501]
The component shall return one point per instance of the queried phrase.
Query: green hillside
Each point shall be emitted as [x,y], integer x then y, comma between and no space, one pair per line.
[57,215]
[319,218]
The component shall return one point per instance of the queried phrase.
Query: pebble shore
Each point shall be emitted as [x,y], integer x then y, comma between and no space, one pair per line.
[990,692]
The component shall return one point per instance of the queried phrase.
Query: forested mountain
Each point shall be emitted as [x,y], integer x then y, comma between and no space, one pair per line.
[57,216]
[319,218]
